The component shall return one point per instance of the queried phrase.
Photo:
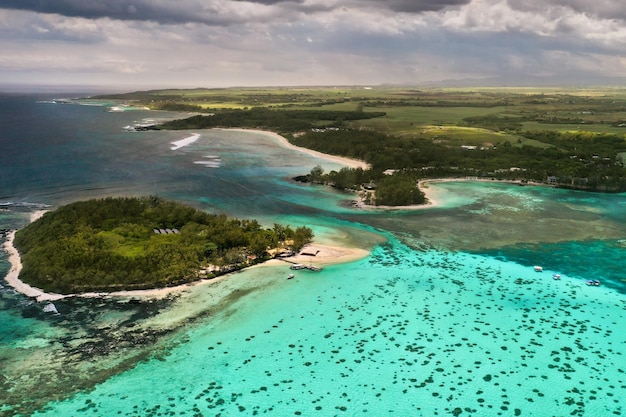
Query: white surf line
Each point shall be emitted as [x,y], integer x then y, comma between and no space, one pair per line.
[184,142]
[211,161]
[208,164]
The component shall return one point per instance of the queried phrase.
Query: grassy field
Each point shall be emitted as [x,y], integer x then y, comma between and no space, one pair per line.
[437,113]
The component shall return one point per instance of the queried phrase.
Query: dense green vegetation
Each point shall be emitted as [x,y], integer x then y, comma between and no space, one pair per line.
[586,161]
[111,244]
[260,117]
[569,138]
[382,190]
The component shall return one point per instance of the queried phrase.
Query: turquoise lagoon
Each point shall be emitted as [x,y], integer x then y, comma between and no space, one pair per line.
[446,316]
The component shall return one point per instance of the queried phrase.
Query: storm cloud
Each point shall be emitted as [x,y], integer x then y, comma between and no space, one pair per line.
[289,42]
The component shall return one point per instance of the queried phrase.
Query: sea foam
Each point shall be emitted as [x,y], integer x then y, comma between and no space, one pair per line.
[184,142]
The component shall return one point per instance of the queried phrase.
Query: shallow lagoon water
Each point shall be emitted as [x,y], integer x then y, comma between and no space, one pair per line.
[445,317]
[401,332]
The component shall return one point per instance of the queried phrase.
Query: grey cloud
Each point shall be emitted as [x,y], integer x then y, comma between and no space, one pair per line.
[271,2]
[417,6]
[161,11]
[607,9]
[212,12]
[408,6]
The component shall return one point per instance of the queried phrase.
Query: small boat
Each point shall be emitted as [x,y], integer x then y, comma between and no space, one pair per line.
[297,266]
[593,282]
[538,268]
[50,308]
[290,276]
[556,276]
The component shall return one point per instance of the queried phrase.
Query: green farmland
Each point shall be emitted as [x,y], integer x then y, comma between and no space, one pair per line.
[567,137]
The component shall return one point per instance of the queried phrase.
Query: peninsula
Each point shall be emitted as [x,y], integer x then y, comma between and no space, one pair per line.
[567,138]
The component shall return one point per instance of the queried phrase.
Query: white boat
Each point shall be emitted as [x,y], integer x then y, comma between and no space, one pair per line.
[50,308]
[538,268]
[556,276]
[290,276]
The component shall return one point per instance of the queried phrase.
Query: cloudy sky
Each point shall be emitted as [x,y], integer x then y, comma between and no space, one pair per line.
[220,43]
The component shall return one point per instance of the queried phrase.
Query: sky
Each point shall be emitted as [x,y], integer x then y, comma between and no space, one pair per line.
[224,43]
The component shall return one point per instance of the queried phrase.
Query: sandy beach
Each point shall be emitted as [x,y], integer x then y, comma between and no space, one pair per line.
[433,195]
[12,277]
[311,254]
[319,254]
[349,162]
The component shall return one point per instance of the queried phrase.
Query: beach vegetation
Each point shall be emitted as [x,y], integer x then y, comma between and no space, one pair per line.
[146,242]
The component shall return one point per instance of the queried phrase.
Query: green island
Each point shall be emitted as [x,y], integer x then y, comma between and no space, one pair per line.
[125,243]
[571,138]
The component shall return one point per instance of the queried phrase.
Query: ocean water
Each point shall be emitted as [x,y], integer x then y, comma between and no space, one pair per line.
[445,317]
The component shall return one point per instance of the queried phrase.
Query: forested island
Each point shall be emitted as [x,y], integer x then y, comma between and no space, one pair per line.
[114,244]
[570,138]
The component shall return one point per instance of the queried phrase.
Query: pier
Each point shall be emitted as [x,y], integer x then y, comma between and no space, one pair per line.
[296,265]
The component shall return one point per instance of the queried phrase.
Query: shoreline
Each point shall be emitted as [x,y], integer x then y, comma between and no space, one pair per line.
[324,255]
[431,196]
[433,199]
[342,160]
[12,277]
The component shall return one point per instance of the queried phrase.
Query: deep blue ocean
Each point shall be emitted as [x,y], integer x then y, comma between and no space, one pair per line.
[446,316]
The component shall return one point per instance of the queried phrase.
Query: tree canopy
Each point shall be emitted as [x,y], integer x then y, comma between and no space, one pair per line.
[135,243]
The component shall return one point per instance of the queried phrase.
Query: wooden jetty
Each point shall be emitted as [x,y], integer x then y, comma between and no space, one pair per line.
[296,265]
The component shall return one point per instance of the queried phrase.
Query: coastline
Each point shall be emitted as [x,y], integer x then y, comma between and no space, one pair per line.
[324,254]
[431,195]
[342,160]
[12,277]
